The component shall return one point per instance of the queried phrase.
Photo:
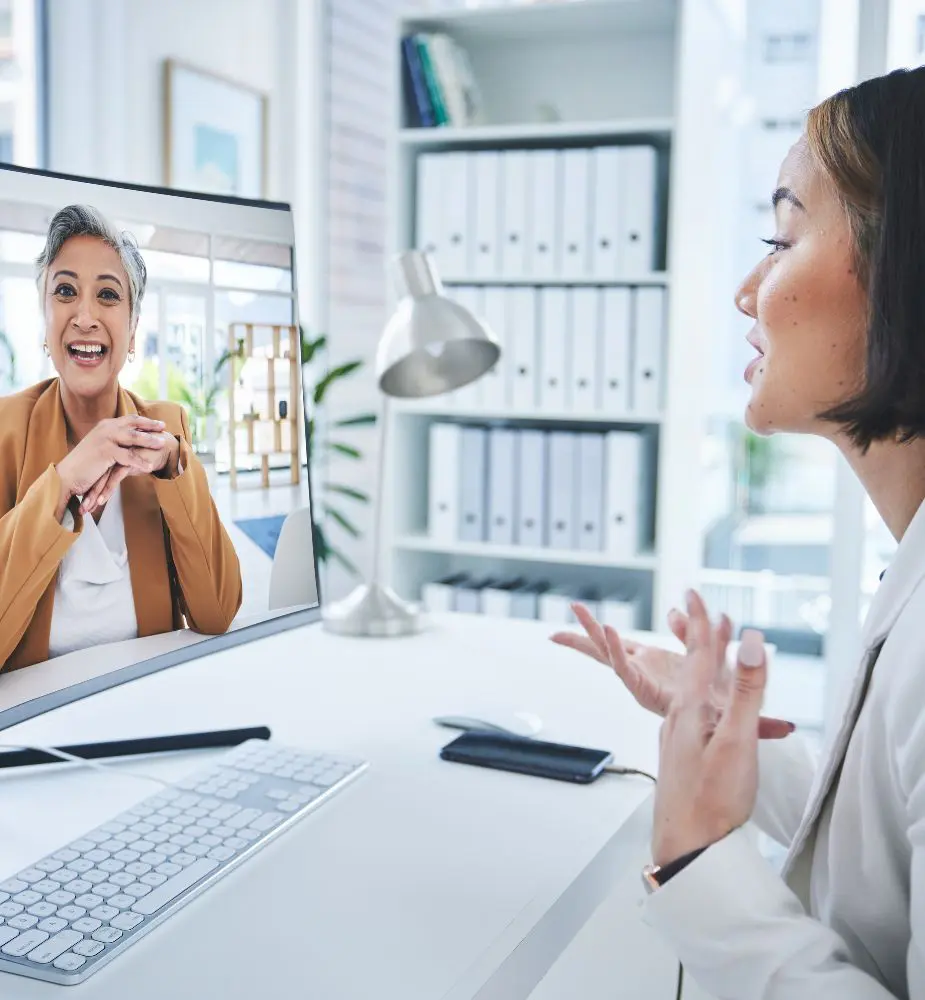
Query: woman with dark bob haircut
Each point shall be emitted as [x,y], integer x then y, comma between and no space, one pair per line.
[838,310]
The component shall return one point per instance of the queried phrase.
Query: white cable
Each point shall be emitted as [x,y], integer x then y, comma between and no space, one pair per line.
[106,769]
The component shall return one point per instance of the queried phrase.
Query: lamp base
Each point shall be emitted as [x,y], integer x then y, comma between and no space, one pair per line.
[372,610]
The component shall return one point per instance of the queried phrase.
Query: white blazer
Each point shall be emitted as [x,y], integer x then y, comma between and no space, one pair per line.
[845,920]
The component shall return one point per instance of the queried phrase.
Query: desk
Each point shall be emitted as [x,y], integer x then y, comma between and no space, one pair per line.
[423,880]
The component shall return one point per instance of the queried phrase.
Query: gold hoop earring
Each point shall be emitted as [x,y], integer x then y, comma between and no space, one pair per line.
[131,356]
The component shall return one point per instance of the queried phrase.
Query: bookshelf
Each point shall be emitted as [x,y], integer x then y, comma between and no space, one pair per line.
[614,73]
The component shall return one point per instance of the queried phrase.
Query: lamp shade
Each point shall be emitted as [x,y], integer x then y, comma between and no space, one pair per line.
[431,345]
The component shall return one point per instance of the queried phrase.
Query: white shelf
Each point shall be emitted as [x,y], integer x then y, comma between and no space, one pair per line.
[660,278]
[486,550]
[436,409]
[534,132]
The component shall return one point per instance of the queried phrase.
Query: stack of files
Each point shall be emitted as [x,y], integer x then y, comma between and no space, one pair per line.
[562,490]
[438,82]
[542,215]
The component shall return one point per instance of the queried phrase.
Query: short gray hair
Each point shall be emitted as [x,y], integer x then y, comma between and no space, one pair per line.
[84,220]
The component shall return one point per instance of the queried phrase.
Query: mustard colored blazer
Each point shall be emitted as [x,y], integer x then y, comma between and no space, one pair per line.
[182,564]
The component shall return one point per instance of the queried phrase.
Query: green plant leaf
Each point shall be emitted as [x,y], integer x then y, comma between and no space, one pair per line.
[363,420]
[309,347]
[346,491]
[331,376]
[343,449]
[344,561]
[336,515]
[320,543]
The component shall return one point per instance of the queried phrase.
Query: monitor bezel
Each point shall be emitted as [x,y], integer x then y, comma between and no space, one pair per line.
[308,615]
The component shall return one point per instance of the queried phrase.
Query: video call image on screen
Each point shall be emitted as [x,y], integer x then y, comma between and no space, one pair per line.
[173,308]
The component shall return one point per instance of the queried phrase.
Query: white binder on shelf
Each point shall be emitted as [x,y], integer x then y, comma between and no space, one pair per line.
[428,212]
[497,598]
[440,595]
[562,512]
[523,373]
[584,327]
[649,317]
[639,178]
[456,177]
[555,605]
[502,482]
[525,600]
[555,370]
[626,494]
[575,180]
[515,185]
[606,256]
[532,479]
[590,492]
[443,481]
[484,250]
[473,476]
[468,596]
[494,388]
[616,337]
[469,397]
[545,215]
[621,611]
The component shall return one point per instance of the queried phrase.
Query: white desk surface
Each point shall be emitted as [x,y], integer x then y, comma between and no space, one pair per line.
[424,880]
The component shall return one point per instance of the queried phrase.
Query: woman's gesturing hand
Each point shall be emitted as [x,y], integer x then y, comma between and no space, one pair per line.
[652,675]
[708,758]
[132,441]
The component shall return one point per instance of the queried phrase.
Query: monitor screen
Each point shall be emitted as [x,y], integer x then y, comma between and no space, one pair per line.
[152,422]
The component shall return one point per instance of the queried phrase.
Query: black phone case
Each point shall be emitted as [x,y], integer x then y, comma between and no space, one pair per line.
[464,755]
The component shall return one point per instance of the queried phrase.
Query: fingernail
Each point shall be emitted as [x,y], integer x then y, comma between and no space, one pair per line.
[751,649]
[792,727]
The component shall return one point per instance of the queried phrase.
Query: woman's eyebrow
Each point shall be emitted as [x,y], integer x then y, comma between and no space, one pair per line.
[785,194]
[108,277]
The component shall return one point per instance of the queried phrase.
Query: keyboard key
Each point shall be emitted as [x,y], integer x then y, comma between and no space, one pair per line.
[210,840]
[126,921]
[60,898]
[24,943]
[82,845]
[97,855]
[221,853]
[112,865]
[95,877]
[171,828]
[80,865]
[127,856]
[209,823]
[157,838]
[174,886]
[72,912]
[104,912]
[169,811]
[87,925]
[31,875]
[224,831]
[226,793]
[169,850]
[46,886]
[122,878]
[266,821]
[138,890]
[28,897]
[154,879]
[225,812]
[69,962]
[13,885]
[78,886]
[107,934]
[23,921]
[137,868]
[43,909]
[113,826]
[88,901]
[122,901]
[277,793]
[52,925]
[107,889]
[66,855]
[154,858]
[141,846]
[181,839]
[89,948]
[53,947]
[10,909]
[142,829]
[49,865]
[170,868]
[184,801]
[4,896]
[289,806]
[197,850]
[235,843]
[7,934]
[97,837]
[195,831]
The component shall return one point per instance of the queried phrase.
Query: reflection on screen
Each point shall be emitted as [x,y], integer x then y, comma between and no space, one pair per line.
[190,319]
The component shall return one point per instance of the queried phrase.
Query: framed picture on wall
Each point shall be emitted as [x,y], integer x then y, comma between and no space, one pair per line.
[215,133]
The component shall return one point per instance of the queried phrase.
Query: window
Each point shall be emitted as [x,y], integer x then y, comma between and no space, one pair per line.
[21,112]
[787,48]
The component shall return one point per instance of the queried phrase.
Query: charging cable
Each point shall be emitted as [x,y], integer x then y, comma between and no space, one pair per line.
[617,769]
[106,769]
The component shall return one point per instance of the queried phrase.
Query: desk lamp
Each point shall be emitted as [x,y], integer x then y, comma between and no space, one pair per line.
[430,346]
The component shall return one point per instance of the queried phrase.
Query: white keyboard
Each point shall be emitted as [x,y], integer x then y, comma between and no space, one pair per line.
[71,912]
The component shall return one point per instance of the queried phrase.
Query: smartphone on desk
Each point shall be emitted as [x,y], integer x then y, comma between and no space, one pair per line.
[527,756]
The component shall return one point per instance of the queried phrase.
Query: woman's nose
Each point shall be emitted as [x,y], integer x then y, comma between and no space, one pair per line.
[85,313]
[746,297]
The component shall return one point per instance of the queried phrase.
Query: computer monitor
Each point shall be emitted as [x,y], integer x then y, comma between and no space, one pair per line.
[217,334]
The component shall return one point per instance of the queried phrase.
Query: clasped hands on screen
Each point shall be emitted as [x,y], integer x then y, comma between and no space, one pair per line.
[115,449]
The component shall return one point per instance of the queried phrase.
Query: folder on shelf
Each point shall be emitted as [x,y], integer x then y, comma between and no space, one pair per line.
[606,256]
[575,180]
[545,215]
[473,477]
[585,349]
[497,598]
[444,456]
[648,350]
[555,370]
[440,595]
[456,177]
[522,367]
[620,610]
[555,605]
[494,387]
[616,330]
[590,492]
[471,297]
[468,596]
[639,178]
[626,494]
[532,479]
[484,252]
[514,217]
[502,481]
[428,210]
[561,513]
[525,600]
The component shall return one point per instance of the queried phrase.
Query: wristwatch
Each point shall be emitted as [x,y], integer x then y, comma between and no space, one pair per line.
[655,876]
